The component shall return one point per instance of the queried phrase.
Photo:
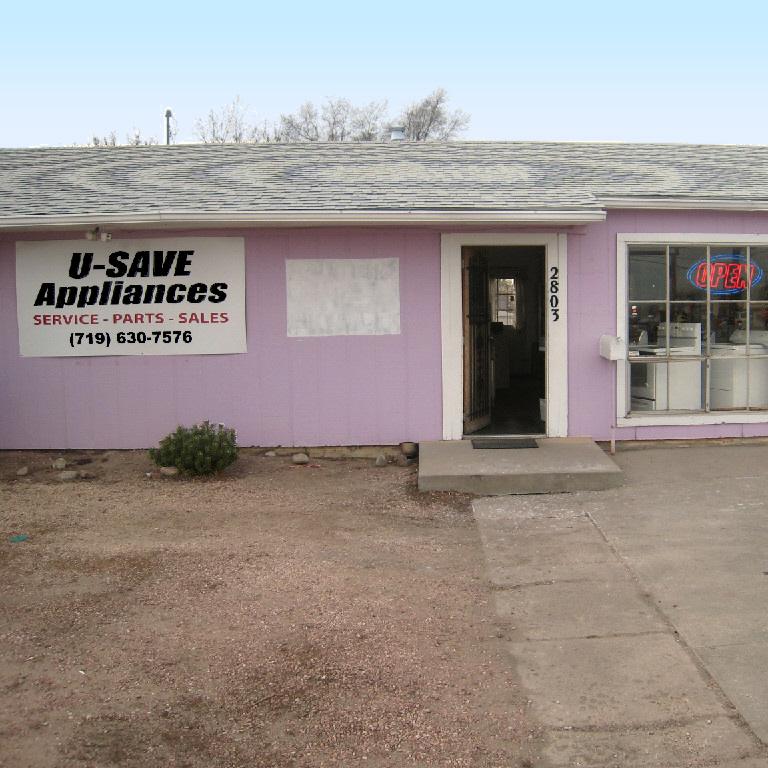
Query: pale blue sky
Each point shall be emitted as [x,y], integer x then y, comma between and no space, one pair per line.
[647,71]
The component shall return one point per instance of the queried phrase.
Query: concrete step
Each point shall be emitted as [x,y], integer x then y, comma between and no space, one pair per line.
[558,465]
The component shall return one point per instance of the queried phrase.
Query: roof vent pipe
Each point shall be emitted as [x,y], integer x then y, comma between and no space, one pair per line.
[397,133]
[168,116]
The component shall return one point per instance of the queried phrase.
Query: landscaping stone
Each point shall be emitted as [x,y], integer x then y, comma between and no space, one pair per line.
[300,458]
[59,463]
[68,475]
[270,454]
[381,460]
[169,471]
[22,471]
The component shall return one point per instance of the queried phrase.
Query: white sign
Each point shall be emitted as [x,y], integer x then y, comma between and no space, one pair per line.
[160,296]
[343,297]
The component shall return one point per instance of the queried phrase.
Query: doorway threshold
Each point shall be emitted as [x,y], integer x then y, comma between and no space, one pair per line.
[504,443]
[560,464]
[505,436]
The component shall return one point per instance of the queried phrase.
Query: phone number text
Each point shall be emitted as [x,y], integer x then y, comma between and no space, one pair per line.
[105,339]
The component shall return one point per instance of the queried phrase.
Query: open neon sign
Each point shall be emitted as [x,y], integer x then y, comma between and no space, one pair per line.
[724,275]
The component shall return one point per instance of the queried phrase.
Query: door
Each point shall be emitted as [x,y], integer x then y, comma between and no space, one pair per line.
[453,324]
[477,340]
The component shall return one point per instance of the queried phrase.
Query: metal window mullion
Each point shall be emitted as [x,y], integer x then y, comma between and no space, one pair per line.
[749,322]
[667,309]
[667,305]
[707,337]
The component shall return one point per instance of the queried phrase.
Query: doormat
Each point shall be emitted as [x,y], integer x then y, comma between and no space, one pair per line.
[511,442]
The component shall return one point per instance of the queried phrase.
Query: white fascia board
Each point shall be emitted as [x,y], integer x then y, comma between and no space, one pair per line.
[300,218]
[623,239]
[682,204]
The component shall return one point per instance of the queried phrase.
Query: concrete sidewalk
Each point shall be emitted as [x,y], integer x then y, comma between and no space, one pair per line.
[638,617]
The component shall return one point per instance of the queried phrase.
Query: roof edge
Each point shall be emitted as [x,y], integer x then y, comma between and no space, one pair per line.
[300,218]
[682,203]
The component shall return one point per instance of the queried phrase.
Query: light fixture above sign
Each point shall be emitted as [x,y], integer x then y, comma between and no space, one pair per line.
[97,234]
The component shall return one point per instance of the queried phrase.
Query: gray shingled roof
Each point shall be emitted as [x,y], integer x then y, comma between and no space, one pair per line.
[407,177]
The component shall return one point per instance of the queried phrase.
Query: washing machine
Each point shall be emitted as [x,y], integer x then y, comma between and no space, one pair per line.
[728,372]
[674,386]
[666,386]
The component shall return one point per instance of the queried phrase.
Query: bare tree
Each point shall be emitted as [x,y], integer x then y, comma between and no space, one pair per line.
[110,140]
[266,133]
[135,139]
[336,119]
[368,122]
[430,120]
[302,126]
[228,125]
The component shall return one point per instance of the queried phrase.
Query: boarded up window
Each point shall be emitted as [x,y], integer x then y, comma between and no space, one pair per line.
[343,297]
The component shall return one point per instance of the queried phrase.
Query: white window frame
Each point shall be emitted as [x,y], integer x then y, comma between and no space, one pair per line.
[623,417]
[556,354]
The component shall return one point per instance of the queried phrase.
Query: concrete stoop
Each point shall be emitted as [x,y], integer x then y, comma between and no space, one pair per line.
[558,465]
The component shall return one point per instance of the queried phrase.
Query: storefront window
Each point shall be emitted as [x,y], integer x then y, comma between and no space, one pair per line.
[697,327]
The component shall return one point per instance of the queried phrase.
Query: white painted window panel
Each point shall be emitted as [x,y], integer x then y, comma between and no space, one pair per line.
[343,297]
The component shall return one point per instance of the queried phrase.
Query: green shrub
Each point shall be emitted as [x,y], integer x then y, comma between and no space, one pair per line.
[201,449]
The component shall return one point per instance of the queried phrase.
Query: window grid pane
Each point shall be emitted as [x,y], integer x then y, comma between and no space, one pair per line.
[707,321]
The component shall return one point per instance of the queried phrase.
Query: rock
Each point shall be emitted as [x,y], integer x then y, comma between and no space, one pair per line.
[381,460]
[409,449]
[84,475]
[68,475]
[169,471]
[403,461]
[22,471]
[300,458]
[59,463]
[270,454]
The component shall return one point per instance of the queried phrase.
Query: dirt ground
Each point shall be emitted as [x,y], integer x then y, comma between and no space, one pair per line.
[279,615]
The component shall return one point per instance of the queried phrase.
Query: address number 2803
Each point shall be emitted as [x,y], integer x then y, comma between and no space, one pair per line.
[554,290]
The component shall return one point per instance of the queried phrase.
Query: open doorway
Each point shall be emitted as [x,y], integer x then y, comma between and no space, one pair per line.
[504,340]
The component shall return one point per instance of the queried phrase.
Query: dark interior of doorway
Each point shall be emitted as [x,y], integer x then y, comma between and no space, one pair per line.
[515,362]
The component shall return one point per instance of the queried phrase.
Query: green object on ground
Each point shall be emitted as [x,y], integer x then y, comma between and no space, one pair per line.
[19,537]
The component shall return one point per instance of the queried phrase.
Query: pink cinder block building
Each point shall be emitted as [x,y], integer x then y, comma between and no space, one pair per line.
[332,294]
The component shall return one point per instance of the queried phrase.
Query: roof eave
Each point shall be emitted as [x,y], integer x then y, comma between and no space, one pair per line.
[197,219]
[683,203]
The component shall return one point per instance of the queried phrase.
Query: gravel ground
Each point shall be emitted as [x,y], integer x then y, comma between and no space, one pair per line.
[324,615]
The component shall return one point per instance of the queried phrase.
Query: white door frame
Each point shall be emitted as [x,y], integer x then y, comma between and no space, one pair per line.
[556,355]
